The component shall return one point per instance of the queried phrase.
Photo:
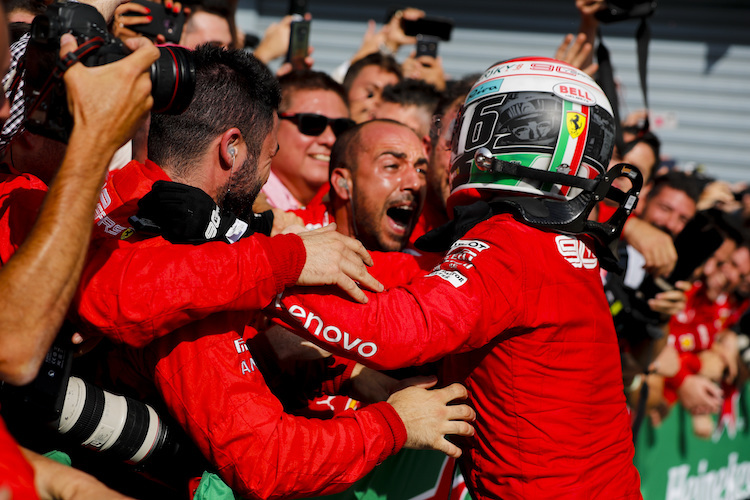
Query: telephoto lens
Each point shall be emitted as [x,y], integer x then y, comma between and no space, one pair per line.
[123,428]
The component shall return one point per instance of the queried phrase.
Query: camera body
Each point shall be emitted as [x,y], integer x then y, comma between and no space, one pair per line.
[172,75]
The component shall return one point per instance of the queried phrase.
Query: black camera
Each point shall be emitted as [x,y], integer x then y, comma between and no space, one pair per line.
[172,75]
[622,10]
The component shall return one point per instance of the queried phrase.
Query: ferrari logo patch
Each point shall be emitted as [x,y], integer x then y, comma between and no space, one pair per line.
[576,123]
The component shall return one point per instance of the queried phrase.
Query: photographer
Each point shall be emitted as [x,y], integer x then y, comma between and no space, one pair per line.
[669,205]
[41,265]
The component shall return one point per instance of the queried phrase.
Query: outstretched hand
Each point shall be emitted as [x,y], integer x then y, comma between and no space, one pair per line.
[335,259]
[428,416]
[699,395]
[577,51]
[656,246]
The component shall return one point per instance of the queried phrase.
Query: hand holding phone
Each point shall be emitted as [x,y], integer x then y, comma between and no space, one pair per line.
[427,45]
[299,42]
[161,21]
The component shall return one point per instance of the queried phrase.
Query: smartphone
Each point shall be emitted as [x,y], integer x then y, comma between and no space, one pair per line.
[298,7]
[299,41]
[427,45]
[165,22]
[440,27]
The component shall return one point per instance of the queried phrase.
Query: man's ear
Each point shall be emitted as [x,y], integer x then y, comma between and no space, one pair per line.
[427,143]
[341,183]
[229,147]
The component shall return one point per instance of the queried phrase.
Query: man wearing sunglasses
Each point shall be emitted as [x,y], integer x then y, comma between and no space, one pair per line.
[313,112]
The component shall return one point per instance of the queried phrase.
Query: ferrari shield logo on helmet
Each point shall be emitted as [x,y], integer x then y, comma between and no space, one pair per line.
[576,123]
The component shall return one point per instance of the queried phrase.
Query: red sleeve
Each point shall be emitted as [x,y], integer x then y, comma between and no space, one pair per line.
[259,450]
[400,268]
[21,198]
[690,364]
[134,293]
[16,474]
[333,386]
[453,309]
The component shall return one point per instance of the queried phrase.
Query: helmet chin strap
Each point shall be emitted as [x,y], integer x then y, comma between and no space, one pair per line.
[568,216]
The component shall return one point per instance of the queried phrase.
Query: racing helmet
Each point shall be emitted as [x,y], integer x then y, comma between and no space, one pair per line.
[532,112]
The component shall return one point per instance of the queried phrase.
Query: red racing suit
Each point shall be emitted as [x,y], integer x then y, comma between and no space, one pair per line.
[21,197]
[695,329]
[204,371]
[135,288]
[16,474]
[523,319]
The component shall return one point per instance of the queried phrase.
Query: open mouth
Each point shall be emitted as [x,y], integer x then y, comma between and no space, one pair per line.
[401,215]
[321,157]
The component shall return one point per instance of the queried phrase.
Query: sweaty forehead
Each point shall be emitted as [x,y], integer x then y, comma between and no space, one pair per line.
[377,138]
[321,101]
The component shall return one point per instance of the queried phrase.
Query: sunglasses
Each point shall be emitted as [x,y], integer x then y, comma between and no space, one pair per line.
[312,124]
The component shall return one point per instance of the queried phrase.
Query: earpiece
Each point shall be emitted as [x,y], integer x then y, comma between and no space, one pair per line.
[343,184]
[231,151]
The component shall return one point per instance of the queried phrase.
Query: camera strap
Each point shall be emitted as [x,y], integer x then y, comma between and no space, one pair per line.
[64,63]
[607,82]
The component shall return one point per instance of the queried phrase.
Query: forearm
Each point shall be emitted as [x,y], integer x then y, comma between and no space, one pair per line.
[410,330]
[54,481]
[244,431]
[122,292]
[38,282]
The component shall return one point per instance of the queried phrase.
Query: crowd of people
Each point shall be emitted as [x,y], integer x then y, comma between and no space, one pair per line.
[293,277]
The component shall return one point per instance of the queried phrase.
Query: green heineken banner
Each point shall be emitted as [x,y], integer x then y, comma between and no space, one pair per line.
[676,465]
[410,475]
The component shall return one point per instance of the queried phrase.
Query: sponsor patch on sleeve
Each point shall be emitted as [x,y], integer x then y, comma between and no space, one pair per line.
[455,278]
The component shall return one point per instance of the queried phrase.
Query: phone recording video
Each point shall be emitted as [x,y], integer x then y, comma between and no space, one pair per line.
[299,41]
[164,22]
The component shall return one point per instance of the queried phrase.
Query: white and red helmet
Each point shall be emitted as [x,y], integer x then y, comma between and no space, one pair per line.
[533,112]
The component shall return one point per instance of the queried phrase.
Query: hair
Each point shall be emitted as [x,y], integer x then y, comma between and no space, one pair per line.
[221,8]
[410,92]
[455,89]
[384,62]
[232,89]
[308,80]
[678,180]
[648,138]
[726,226]
[35,7]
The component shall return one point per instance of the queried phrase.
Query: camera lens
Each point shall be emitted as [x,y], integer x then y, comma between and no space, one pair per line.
[172,80]
[124,428]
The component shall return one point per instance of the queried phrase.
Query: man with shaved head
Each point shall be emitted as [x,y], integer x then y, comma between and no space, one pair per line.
[378,184]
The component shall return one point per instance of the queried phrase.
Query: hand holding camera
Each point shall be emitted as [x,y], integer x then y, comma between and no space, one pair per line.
[114,98]
[111,75]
